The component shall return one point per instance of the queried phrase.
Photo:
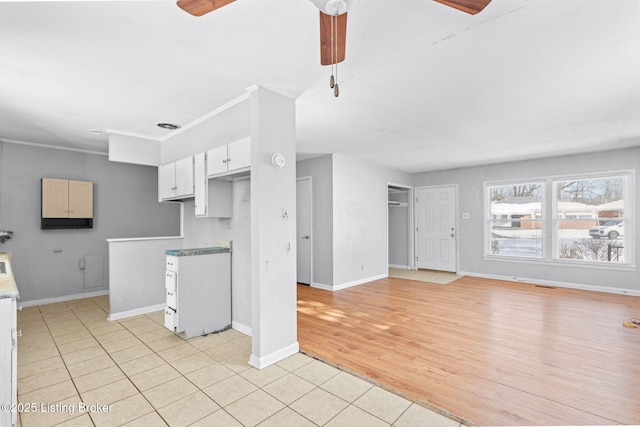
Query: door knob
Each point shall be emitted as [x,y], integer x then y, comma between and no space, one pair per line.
[453,235]
[307,237]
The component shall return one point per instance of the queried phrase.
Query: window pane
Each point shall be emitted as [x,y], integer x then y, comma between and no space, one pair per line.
[590,219]
[516,226]
[516,238]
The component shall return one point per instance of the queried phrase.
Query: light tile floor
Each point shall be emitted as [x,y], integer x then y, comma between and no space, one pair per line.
[76,368]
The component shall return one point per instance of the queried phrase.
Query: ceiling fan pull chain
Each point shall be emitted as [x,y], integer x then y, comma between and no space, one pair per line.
[334,48]
[332,80]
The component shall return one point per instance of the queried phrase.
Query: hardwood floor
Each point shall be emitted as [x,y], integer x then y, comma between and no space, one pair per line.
[487,352]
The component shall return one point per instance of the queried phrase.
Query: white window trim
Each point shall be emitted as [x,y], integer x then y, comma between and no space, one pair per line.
[549,230]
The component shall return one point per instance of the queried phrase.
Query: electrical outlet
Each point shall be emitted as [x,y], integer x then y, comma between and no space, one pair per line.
[465,215]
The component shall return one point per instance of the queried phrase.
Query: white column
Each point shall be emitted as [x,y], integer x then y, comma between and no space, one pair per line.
[273,228]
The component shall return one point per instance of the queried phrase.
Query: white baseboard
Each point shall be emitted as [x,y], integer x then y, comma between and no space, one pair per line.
[401,267]
[595,288]
[63,298]
[321,286]
[136,312]
[241,328]
[263,362]
[349,284]
[360,281]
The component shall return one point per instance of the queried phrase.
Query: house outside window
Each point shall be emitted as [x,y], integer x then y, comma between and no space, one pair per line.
[516,226]
[584,219]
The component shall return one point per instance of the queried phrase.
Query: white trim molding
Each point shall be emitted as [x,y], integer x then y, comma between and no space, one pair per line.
[360,281]
[241,328]
[63,298]
[594,288]
[136,312]
[270,359]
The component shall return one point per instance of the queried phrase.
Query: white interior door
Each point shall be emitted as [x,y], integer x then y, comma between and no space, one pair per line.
[303,228]
[436,232]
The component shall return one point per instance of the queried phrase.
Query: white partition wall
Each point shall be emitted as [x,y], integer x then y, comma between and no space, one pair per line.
[273,228]
[136,274]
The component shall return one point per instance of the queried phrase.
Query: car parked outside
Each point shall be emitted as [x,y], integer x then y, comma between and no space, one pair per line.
[610,229]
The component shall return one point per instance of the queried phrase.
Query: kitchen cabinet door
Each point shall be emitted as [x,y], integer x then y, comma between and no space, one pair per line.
[166,181]
[217,161]
[80,199]
[184,177]
[55,198]
[239,154]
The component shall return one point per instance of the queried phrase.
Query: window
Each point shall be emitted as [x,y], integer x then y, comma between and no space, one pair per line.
[516,225]
[580,219]
[590,219]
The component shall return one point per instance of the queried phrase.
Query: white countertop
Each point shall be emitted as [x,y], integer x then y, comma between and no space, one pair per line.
[8,288]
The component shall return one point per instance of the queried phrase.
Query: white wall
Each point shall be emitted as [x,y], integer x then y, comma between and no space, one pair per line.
[204,232]
[125,205]
[470,232]
[360,236]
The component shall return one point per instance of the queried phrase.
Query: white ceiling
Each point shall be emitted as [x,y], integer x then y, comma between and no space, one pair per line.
[424,87]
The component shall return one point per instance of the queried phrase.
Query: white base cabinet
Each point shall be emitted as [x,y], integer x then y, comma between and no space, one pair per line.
[198,283]
[8,361]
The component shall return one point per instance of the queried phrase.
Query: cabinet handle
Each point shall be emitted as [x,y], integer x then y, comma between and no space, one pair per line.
[224,161]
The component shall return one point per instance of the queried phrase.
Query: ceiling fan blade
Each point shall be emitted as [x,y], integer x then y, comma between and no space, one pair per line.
[201,7]
[469,6]
[326,41]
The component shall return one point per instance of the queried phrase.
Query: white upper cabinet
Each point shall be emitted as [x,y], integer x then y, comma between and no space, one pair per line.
[184,177]
[176,180]
[231,158]
[239,154]
[217,161]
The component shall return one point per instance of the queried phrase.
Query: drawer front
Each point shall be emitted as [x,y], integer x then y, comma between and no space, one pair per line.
[170,280]
[170,319]
[172,299]
[172,263]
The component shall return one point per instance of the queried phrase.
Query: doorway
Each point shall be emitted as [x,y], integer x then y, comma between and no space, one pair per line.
[304,230]
[400,227]
[436,242]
